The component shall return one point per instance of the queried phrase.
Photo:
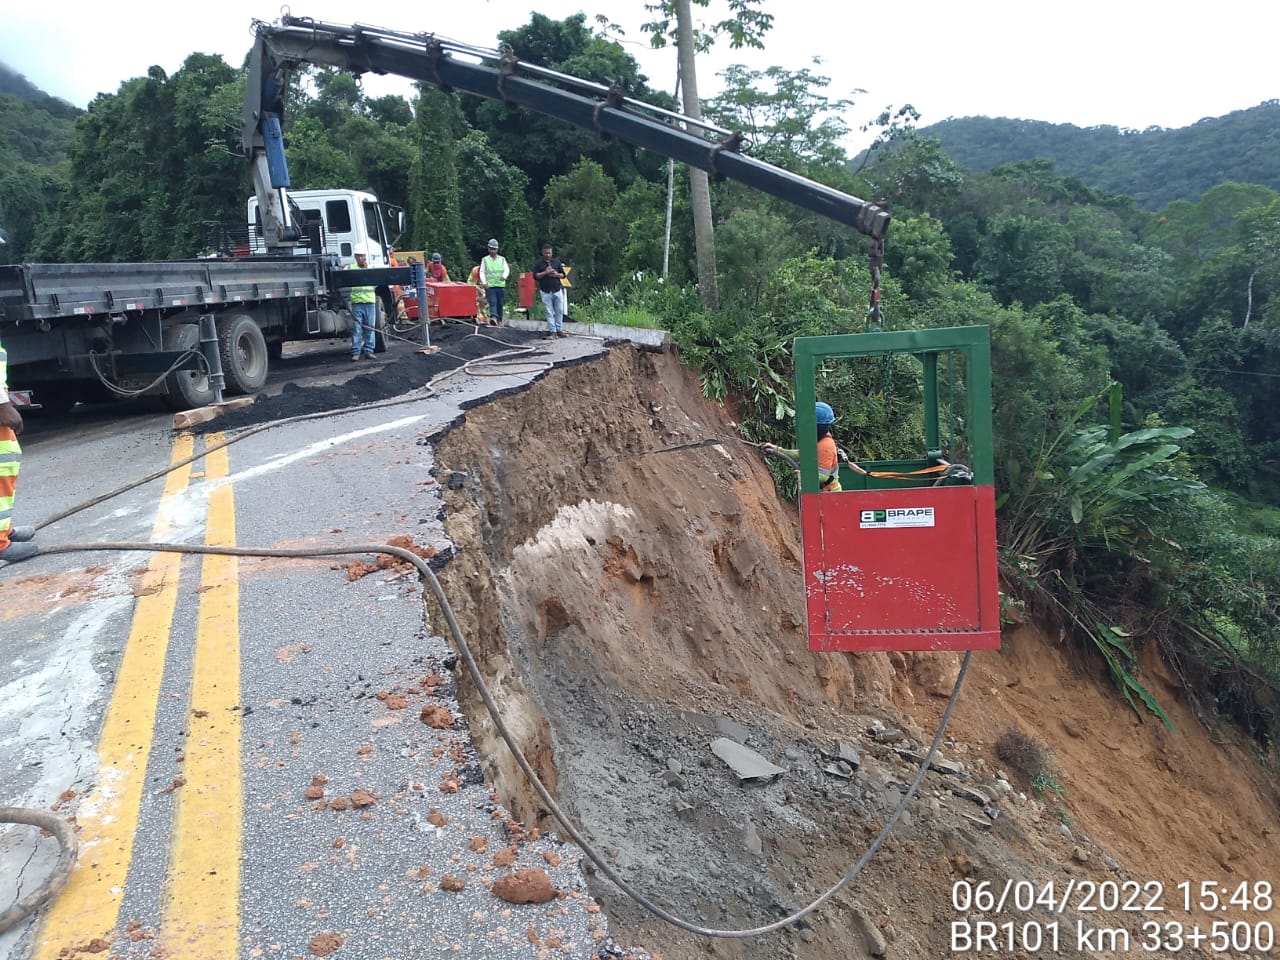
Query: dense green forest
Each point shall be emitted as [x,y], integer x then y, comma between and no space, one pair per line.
[1136,352]
[1154,166]
[35,132]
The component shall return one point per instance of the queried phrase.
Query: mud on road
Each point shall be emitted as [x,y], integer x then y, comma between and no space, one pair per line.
[309,378]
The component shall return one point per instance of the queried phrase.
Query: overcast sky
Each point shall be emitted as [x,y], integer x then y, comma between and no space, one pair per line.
[1131,63]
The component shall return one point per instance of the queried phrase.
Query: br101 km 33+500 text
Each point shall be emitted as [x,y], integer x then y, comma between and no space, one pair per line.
[1168,938]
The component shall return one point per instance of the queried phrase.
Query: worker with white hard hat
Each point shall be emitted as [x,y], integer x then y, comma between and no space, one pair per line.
[494,271]
[364,308]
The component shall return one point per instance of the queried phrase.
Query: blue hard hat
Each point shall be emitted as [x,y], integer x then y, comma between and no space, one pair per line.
[824,412]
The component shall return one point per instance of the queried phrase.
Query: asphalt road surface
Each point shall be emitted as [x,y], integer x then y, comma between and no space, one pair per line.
[178,708]
[306,364]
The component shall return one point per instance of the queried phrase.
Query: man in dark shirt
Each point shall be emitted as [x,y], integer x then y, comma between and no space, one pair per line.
[548,272]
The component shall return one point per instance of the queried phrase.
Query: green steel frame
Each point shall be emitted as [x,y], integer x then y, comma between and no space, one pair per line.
[972,343]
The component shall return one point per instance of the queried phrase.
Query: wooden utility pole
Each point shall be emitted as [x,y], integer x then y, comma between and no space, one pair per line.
[699,187]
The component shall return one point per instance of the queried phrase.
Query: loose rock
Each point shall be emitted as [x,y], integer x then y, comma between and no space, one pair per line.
[438,717]
[524,886]
[323,944]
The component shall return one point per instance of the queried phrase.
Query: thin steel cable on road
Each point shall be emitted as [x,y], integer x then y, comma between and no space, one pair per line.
[432,583]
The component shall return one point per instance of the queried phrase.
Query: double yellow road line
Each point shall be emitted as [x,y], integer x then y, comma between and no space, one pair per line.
[200,918]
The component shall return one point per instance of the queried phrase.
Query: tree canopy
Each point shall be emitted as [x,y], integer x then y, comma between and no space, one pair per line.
[1154,166]
[1130,281]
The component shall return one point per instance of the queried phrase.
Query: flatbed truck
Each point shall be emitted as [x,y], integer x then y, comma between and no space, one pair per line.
[95,330]
[135,328]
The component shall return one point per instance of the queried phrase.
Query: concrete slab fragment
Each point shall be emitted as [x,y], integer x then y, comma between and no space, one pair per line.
[732,729]
[654,339]
[747,765]
[951,767]
[843,752]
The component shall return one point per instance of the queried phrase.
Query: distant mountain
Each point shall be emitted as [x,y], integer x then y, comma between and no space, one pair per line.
[1154,166]
[15,84]
[35,128]
[35,132]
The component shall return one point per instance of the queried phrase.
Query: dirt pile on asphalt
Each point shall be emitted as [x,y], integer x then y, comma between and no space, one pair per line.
[630,606]
[457,345]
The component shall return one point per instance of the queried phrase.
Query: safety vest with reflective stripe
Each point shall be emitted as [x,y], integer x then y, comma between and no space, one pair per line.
[10,452]
[361,294]
[828,464]
[494,271]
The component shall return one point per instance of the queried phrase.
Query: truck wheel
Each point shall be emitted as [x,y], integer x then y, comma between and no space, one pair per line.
[186,388]
[244,353]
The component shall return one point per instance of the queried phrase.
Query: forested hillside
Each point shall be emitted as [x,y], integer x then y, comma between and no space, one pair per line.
[1154,166]
[1136,353]
[16,85]
[35,132]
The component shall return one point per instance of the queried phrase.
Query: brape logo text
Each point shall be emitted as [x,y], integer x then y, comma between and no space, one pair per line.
[896,517]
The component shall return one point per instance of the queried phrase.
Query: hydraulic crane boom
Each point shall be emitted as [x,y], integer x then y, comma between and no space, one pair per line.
[433,60]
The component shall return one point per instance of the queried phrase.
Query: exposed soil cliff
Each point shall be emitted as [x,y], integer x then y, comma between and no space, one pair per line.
[630,605]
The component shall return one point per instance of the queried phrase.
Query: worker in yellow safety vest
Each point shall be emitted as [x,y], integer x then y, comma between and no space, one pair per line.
[494,271]
[14,545]
[364,308]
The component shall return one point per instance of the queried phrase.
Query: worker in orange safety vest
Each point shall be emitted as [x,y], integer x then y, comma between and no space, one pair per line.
[830,456]
[482,302]
[14,545]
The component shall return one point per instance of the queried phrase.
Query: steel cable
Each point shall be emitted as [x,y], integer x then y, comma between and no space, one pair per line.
[432,583]
[464,653]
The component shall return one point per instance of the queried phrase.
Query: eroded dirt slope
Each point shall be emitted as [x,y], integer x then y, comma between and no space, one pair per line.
[630,606]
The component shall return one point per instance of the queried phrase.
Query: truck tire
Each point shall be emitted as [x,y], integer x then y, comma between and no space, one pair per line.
[244,353]
[186,388]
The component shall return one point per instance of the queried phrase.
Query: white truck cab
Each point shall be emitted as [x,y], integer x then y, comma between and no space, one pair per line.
[349,220]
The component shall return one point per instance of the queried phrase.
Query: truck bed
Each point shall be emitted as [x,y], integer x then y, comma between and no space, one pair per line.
[46,291]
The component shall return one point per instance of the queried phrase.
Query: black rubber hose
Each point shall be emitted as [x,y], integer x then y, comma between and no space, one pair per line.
[57,879]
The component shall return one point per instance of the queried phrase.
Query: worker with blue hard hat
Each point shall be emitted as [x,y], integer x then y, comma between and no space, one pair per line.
[830,456]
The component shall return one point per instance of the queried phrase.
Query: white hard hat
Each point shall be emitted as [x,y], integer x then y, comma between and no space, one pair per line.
[361,252]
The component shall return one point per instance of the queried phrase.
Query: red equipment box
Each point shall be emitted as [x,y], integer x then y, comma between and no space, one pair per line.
[450,300]
[526,286]
[896,569]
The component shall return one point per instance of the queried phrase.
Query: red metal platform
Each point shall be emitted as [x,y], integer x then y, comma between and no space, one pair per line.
[901,569]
